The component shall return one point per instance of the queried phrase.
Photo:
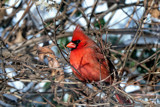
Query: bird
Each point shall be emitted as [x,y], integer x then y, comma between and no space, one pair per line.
[88,62]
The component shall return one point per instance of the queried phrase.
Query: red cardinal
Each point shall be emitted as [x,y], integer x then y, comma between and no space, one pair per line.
[88,60]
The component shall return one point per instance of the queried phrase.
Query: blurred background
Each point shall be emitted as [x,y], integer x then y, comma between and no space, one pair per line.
[34,62]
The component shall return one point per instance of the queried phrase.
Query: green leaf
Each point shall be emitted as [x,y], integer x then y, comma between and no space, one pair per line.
[78,13]
[47,86]
[99,23]
[141,70]
[63,42]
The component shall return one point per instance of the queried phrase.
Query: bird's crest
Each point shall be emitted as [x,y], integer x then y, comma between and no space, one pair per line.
[78,28]
[78,33]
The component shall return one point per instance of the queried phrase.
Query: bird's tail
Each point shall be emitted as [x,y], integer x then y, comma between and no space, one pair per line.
[123,100]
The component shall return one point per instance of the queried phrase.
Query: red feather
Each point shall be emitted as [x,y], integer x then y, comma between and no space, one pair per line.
[89,61]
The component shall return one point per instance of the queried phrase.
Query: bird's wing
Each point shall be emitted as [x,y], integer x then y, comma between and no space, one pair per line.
[106,62]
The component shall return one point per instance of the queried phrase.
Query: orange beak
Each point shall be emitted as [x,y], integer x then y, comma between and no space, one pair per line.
[71,45]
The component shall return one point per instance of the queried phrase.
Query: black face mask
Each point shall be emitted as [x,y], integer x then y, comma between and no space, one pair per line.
[75,42]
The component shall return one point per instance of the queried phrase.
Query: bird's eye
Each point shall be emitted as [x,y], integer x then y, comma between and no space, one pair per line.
[76,42]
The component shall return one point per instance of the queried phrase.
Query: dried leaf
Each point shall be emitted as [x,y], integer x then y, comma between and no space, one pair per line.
[153,6]
[52,61]
[19,37]
[44,51]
